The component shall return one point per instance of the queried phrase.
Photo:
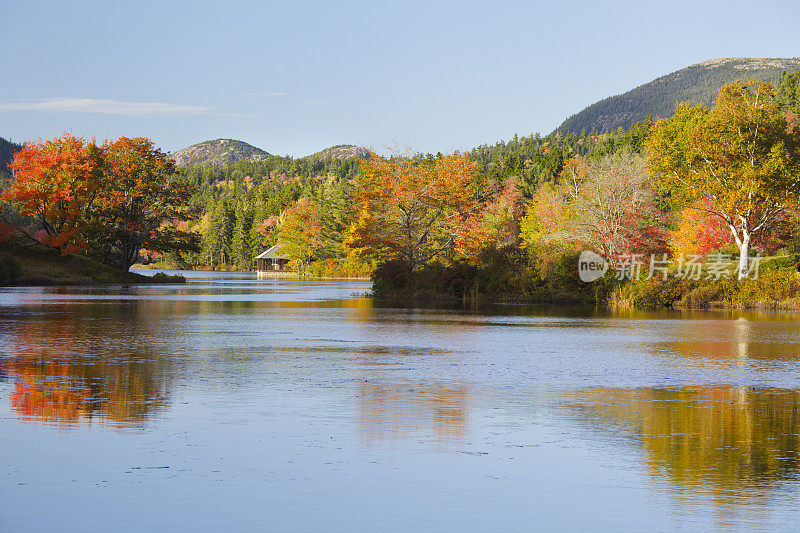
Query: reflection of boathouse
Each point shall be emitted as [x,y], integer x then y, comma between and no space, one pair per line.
[273,264]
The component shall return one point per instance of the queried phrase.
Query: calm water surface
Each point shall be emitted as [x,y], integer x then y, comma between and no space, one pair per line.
[229,404]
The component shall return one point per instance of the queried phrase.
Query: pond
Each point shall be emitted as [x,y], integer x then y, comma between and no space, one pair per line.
[230,404]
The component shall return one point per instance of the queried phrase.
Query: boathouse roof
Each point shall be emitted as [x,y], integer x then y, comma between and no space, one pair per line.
[272,253]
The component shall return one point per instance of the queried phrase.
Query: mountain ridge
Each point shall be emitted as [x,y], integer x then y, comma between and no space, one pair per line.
[222,151]
[697,83]
[341,151]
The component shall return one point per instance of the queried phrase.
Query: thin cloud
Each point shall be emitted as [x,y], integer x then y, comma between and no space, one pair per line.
[260,95]
[316,102]
[105,106]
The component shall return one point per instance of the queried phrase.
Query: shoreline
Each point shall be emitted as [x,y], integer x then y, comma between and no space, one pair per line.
[293,276]
[37,266]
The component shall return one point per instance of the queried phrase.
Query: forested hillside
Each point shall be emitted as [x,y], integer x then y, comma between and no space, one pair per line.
[788,92]
[697,84]
[7,150]
[533,160]
[241,201]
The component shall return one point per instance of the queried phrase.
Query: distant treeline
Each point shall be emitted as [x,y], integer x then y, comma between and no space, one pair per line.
[242,202]
[7,151]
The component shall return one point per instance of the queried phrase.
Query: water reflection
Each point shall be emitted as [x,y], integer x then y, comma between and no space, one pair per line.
[435,412]
[68,367]
[736,340]
[284,393]
[66,392]
[724,440]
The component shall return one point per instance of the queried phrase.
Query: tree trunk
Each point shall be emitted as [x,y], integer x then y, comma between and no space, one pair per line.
[129,256]
[744,256]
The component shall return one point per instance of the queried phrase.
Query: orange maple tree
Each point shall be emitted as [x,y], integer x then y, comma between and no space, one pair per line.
[493,224]
[415,210]
[699,232]
[55,183]
[113,199]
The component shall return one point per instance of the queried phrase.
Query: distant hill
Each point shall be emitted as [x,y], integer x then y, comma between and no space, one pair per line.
[218,151]
[697,84]
[7,151]
[341,151]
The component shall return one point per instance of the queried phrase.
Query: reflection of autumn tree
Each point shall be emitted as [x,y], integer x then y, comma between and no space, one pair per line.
[68,392]
[719,436]
[734,343]
[59,379]
[399,411]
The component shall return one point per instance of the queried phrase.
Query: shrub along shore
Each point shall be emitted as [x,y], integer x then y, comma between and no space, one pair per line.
[507,275]
[510,275]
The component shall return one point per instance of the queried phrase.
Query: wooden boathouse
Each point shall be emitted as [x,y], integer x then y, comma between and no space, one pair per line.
[273,264]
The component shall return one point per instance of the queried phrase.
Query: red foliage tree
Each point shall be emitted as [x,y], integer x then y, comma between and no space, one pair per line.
[55,183]
[699,232]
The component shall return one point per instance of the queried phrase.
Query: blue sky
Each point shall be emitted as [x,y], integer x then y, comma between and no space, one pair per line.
[296,77]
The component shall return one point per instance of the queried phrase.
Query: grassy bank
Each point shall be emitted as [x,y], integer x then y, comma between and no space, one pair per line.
[776,288]
[37,265]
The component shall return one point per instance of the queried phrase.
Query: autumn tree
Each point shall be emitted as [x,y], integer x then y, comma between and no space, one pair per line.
[741,157]
[495,224]
[699,232]
[55,184]
[414,210]
[139,204]
[606,204]
[265,233]
[301,233]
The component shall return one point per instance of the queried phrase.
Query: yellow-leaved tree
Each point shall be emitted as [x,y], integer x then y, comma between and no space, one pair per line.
[739,161]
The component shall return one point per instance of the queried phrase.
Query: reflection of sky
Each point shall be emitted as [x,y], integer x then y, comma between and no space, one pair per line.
[271,398]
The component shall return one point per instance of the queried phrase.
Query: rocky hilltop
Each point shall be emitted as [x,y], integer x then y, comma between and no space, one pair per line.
[697,84]
[218,151]
[341,151]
